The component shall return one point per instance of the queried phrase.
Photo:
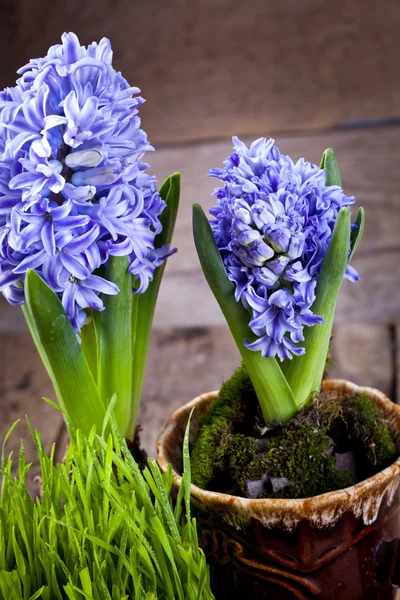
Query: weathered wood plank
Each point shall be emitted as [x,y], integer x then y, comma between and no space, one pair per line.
[23,383]
[213,67]
[363,353]
[183,363]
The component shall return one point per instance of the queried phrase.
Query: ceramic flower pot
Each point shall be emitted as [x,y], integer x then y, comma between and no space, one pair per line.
[339,545]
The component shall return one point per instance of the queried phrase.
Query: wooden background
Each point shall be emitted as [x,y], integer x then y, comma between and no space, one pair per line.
[313,74]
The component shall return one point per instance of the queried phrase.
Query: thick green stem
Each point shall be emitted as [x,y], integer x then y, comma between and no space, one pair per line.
[273,392]
[114,342]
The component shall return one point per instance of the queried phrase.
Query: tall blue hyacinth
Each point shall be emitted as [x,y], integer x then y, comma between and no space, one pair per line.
[73,187]
[272,224]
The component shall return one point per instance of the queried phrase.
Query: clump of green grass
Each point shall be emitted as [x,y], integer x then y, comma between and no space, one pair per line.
[101,530]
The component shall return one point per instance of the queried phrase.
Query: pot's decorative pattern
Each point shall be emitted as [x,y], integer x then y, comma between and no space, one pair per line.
[334,546]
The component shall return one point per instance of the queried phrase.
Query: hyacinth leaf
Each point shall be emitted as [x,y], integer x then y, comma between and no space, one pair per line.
[144,304]
[89,343]
[114,342]
[64,360]
[304,373]
[272,389]
[357,232]
[331,168]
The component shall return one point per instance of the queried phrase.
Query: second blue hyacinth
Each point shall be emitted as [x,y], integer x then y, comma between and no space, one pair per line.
[272,225]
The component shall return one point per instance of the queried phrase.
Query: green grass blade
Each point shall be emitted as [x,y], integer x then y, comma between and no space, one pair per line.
[273,392]
[96,534]
[6,438]
[187,471]
[114,342]
[144,304]
[66,365]
[37,594]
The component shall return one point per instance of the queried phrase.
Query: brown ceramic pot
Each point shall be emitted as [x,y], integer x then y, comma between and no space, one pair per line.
[337,546]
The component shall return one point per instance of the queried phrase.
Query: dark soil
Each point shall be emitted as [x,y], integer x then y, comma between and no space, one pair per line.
[331,444]
[137,452]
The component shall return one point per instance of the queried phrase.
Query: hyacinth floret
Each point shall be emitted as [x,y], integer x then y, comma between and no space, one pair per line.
[73,187]
[272,224]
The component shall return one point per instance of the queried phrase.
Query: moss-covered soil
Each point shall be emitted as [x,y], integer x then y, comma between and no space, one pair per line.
[331,444]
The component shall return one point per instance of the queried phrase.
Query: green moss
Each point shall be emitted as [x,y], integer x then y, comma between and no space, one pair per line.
[302,456]
[228,409]
[305,451]
[233,453]
[369,430]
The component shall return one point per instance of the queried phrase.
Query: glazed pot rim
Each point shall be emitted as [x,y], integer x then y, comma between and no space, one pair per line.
[363,498]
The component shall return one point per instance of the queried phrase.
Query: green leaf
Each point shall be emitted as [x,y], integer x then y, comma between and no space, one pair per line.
[53,404]
[356,233]
[144,304]
[63,358]
[331,168]
[113,328]
[273,392]
[37,594]
[86,581]
[304,373]
[89,343]
[6,437]
[187,466]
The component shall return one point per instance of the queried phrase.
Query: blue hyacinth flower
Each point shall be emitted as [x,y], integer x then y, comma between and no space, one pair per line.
[272,224]
[73,187]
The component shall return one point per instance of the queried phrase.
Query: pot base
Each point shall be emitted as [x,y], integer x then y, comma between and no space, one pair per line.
[338,563]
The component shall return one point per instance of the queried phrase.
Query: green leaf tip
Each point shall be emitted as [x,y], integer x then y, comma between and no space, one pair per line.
[356,233]
[330,166]
[170,192]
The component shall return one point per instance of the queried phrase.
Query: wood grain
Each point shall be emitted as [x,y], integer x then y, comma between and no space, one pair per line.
[363,353]
[23,383]
[217,67]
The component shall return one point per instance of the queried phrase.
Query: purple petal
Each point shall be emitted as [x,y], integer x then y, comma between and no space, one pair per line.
[31,262]
[351,274]
[73,265]
[101,285]
[48,238]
